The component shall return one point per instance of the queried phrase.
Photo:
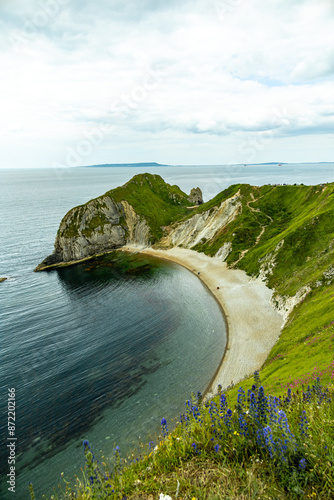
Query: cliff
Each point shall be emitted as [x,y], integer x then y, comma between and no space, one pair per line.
[135,213]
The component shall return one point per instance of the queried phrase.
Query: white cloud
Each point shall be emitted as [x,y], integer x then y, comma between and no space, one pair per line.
[195,71]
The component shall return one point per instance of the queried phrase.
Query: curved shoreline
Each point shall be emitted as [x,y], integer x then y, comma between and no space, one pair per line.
[252,324]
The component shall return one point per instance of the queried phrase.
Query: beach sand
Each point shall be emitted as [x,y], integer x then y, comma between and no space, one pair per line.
[253,325]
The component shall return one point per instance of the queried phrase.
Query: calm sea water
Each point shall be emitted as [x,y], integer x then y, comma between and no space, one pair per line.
[101,354]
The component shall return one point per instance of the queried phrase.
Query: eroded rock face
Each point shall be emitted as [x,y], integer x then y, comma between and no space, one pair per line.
[204,226]
[269,262]
[138,230]
[196,196]
[224,251]
[99,226]
[134,213]
[285,304]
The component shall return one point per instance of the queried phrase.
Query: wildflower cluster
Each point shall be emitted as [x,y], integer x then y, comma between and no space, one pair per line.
[98,478]
[164,427]
[316,392]
[280,433]
[258,424]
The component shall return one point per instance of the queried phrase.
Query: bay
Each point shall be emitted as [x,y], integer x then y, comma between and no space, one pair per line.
[93,354]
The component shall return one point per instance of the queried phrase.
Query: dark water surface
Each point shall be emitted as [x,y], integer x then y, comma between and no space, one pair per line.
[102,353]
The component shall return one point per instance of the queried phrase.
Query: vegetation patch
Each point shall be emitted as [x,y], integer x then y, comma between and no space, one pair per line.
[261,446]
[159,203]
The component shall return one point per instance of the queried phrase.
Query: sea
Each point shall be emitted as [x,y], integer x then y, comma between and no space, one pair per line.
[105,349]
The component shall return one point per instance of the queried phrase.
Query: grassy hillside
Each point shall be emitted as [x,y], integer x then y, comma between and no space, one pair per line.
[299,218]
[159,203]
[296,224]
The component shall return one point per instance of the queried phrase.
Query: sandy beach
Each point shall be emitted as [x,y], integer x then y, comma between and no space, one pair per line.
[253,325]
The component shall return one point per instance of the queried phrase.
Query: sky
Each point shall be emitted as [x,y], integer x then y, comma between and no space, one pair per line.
[171,81]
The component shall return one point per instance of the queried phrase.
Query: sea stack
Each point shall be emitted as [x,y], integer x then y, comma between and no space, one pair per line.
[196,196]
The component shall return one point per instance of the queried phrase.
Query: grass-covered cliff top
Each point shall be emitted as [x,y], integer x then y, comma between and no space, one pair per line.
[159,203]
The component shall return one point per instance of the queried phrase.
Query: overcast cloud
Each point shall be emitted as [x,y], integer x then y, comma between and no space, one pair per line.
[177,82]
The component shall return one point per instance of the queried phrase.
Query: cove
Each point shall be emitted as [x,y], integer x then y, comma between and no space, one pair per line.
[125,340]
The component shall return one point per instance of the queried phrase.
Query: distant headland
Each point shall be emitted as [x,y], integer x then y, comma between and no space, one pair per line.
[147,164]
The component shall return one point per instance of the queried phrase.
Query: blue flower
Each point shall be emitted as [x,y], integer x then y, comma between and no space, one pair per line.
[302,464]
[243,425]
[164,427]
[269,441]
[194,445]
[303,424]
[241,400]
[227,420]
[257,378]
[223,403]
[216,448]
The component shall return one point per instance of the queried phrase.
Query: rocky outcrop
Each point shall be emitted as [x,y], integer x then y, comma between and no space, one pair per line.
[204,226]
[268,262]
[224,251]
[99,226]
[196,196]
[284,305]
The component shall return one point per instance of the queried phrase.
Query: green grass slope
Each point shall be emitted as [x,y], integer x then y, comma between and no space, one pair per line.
[159,203]
[300,218]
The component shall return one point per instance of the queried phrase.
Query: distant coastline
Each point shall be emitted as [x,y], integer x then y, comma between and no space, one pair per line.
[149,164]
[155,164]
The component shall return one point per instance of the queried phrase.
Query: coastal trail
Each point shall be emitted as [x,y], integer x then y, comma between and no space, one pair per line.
[263,228]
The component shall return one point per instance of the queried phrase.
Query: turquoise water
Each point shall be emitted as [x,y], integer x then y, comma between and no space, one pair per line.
[101,354]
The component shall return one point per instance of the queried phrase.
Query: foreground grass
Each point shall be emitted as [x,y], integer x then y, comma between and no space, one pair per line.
[261,447]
